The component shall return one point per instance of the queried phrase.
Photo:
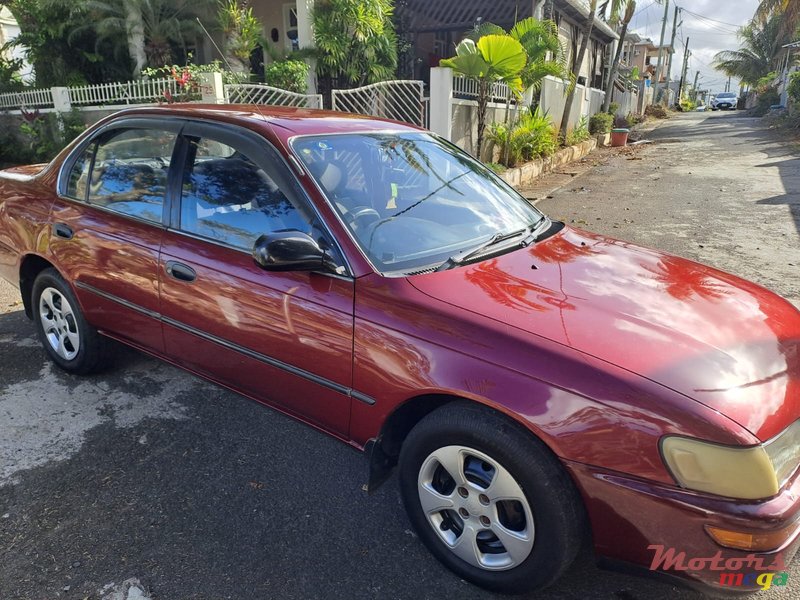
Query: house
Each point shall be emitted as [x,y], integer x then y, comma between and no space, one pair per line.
[643,53]
[9,30]
[432,29]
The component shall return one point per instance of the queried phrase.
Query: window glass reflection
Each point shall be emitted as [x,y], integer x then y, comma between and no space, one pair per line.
[130,173]
[228,198]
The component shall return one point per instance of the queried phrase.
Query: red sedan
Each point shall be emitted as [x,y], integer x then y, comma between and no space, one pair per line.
[534,384]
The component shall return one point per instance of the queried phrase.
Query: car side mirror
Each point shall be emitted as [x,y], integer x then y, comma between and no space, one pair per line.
[290,251]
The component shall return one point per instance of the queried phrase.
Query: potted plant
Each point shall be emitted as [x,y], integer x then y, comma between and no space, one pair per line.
[619,135]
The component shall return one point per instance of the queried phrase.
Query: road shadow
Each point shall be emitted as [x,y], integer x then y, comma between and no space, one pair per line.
[751,132]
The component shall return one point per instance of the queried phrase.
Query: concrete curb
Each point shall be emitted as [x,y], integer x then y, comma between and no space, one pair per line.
[522,176]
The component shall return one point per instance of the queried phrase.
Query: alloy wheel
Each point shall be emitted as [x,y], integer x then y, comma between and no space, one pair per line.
[59,323]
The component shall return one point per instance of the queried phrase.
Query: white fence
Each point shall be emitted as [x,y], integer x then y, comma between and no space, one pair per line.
[401,100]
[129,92]
[246,93]
[26,99]
[468,89]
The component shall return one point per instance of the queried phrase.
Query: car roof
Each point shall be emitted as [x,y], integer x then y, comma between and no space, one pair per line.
[286,121]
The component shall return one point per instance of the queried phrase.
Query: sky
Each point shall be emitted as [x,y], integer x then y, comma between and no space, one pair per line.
[710,26]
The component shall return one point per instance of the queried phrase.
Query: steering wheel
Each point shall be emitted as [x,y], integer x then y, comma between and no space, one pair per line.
[362,216]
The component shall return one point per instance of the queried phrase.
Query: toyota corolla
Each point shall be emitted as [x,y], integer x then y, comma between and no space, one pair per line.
[534,384]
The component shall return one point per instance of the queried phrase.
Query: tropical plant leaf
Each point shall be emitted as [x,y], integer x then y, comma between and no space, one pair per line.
[469,65]
[466,47]
[505,54]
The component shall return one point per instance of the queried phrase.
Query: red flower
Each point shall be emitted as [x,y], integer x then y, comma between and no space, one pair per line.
[30,116]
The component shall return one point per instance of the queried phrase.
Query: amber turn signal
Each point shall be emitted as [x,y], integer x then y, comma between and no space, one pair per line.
[761,541]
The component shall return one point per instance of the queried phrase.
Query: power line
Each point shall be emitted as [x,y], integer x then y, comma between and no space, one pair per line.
[694,14]
[645,7]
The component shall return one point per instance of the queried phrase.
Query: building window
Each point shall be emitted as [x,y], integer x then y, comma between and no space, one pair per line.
[290,26]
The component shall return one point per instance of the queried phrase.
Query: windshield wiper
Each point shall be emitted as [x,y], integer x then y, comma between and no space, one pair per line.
[463,257]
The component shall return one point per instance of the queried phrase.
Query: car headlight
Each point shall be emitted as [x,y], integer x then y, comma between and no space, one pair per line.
[749,473]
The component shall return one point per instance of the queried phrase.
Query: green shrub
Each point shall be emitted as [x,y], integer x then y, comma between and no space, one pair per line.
[45,135]
[532,136]
[794,86]
[766,99]
[601,123]
[10,78]
[291,75]
[580,133]
[497,167]
[613,108]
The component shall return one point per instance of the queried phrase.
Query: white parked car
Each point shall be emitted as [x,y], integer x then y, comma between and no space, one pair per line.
[725,101]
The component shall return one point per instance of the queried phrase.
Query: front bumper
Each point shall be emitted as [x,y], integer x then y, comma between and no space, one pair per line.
[663,528]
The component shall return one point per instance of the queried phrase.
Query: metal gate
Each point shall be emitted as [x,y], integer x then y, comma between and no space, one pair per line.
[400,100]
[253,93]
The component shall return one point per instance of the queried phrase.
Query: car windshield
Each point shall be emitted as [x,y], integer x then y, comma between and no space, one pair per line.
[411,200]
[726,95]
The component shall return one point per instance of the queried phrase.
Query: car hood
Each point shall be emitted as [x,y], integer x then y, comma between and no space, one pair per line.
[722,341]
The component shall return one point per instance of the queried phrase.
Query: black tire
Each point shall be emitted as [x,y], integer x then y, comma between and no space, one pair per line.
[558,516]
[57,329]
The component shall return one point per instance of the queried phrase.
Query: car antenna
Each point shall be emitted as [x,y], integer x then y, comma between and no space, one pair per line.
[227,63]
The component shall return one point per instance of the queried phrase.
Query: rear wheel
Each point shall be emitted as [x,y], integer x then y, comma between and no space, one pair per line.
[488,500]
[67,338]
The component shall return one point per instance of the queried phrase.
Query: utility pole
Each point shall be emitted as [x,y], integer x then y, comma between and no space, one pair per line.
[728,85]
[694,87]
[661,49]
[672,47]
[683,70]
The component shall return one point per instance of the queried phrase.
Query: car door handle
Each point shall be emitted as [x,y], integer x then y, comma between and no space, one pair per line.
[180,271]
[63,231]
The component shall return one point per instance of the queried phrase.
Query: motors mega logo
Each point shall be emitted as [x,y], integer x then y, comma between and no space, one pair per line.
[747,571]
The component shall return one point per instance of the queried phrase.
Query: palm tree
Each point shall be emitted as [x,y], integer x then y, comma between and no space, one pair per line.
[789,10]
[627,8]
[546,55]
[759,54]
[151,27]
[491,59]
[586,33]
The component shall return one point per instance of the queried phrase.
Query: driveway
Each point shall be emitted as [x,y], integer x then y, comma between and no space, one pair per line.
[148,482]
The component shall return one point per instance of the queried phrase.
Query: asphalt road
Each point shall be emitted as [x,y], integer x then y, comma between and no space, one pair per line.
[146,482]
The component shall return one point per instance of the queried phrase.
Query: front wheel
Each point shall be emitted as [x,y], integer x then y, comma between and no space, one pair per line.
[69,340]
[489,500]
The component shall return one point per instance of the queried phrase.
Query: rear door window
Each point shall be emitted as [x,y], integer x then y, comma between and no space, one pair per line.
[129,173]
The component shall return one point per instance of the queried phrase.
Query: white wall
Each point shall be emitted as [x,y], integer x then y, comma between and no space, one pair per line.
[9,30]
[553,100]
[465,124]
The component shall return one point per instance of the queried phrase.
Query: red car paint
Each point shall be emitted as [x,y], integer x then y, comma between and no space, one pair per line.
[598,347]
